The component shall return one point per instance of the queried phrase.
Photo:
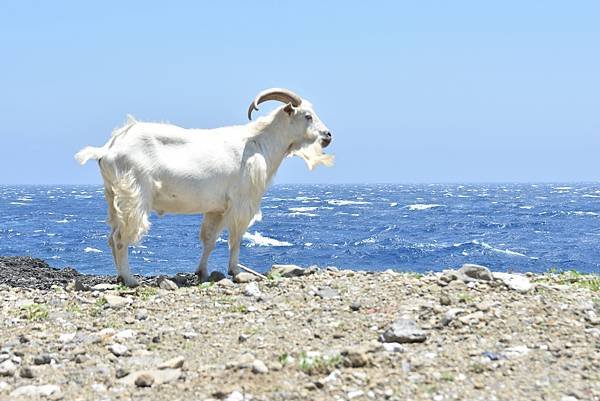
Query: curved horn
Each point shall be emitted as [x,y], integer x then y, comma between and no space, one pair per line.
[283,95]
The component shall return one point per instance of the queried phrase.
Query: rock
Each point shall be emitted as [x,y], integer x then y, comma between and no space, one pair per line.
[450,315]
[252,290]
[287,270]
[82,358]
[355,357]
[445,300]
[173,363]
[393,347]
[77,285]
[237,396]
[515,352]
[476,272]
[116,301]
[355,394]
[244,277]
[225,283]
[141,314]
[189,335]
[259,367]
[26,372]
[144,380]
[215,277]
[167,284]
[154,376]
[327,293]
[121,372]
[8,368]
[124,334]
[355,306]
[404,331]
[42,359]
[472,318]
[104,287]
[47,390]
[515,282]
[118,349]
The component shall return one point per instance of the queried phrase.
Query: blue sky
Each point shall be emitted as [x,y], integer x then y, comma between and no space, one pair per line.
[423,91]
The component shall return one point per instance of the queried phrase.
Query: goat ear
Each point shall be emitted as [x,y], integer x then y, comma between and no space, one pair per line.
[289,109]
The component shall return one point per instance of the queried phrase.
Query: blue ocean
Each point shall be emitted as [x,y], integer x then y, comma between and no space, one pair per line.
[510,227]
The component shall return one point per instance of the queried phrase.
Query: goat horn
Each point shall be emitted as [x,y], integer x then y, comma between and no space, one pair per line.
[282,95]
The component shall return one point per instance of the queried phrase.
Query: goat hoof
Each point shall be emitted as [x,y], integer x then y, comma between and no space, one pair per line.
[202,277]
[129,281]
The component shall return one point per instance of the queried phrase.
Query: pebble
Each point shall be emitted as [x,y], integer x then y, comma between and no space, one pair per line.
[151,377]
[355,394]
[515,282]
[404,331]
[355,306]
[252,290]
[476,272]
[517,351]
[216,276]
[393,347]
[287,270]
[104,287]
[355,357]
[173,363]
[116,301]
[118,349]
[144,380]
[259,367]
[450,315]
[42,359]
[167,284]
[124,334]
[8,368]
[26,372]
[445,300]
[189,335]
[46,390]
[327,293]
[226,283]
[141,314]
[244,277]
[121,372]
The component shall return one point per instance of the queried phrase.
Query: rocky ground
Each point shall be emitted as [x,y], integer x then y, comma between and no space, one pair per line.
[314,334]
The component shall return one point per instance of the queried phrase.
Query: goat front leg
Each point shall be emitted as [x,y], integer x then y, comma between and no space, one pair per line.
[211,227]
[236,231]
[120,247]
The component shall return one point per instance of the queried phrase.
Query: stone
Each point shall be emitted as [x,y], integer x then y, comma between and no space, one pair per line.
[173,363]
[8,368]
[355,357]
[355,306]
[450,315]
[26,372]
[42,359]
[244,277]
[124,334]
[404,331]
[104,287]
[355,394]
[225,283]
[445,300]
[476,272]
[116,301]
[118,349]
[287,270]
[393,347]
[154,377]
[327,293]
[47,390]
[515,352]
[121,372]
[141,314]
[252,290]
[189,335]
[167,284]
[515,282]
[144,380]
[259,367]
[215,277]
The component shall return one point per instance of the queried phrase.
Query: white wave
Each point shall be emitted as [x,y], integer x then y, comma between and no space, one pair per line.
[393,204]
[580,213]
[491,248]
[590,196]
[422,206]
[257,239]
[562,188]
[308,244]
[20,203]
[93,250]
[295,214]
[307,198]
[303,209]
[526,207]
[63,221]
[340,202]
[24,199]
[370,240]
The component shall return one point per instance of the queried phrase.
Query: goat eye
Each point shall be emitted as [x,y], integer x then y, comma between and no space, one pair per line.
[308,117]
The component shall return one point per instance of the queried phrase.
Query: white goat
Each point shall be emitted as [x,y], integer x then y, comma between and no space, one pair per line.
[222,173]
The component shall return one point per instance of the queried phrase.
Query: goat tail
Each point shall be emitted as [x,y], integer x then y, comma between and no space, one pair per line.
[89,152]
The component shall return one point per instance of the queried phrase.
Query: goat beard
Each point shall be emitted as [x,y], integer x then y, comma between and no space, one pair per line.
[313,155]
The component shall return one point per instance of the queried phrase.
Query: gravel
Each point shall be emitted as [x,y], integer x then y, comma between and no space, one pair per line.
[477,337]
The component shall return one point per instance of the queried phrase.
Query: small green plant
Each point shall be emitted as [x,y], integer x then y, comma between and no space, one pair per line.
[318,364]
[35,312]
[284,359]
[465,298]
[447,376]
[73,307]
[274,276]
[477,368]
[145,293]
[206,285]
[239,308]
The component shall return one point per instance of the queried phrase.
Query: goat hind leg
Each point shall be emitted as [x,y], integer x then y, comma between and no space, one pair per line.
[211,227]
[120,248]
